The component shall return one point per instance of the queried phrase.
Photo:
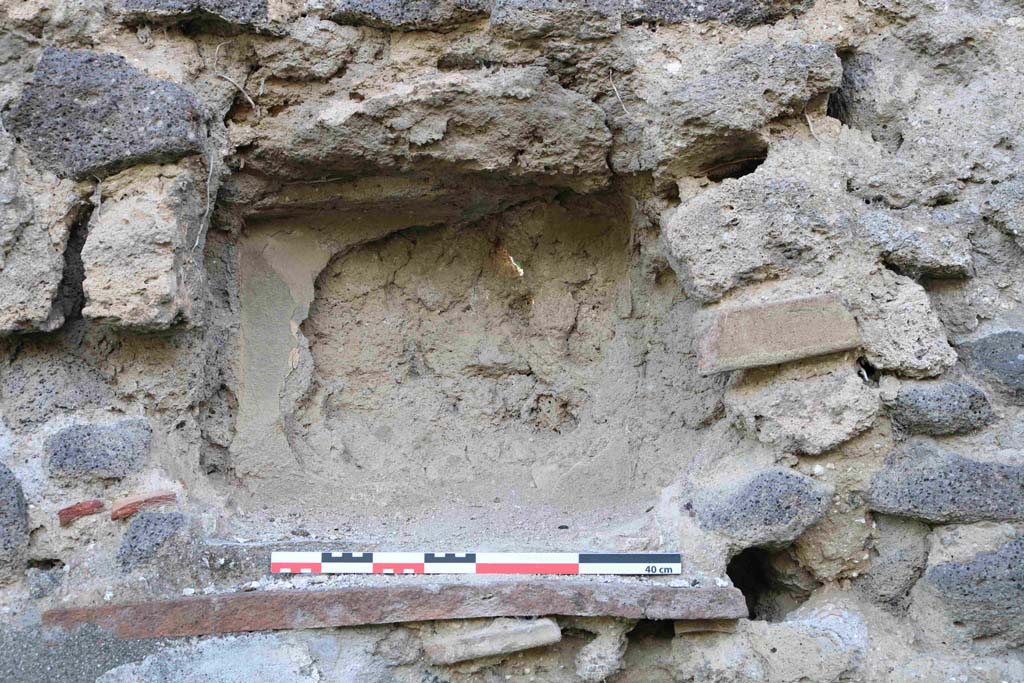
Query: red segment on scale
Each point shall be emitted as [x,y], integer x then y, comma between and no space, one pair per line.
[527,568]
[397,567]
[295,567]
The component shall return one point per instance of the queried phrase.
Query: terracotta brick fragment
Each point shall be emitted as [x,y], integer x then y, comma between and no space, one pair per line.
[774,333]
[83,509]
[403,600]
[126,507]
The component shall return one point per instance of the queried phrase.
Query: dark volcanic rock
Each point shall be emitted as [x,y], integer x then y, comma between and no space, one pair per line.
[401,15]
[13,526]
[146,535]
[986,593]
[238,12]
[923,481]
[941,408]
[740,12]
[999,359]
[419,15]
[87,113]
[100,451]
[48,380]
[772,507]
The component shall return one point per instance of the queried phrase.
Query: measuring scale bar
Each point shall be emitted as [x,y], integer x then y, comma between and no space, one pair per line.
[641,564]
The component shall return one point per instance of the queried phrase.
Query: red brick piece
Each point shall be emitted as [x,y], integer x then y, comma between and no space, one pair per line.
[83,509]
[403,600]
[126,507]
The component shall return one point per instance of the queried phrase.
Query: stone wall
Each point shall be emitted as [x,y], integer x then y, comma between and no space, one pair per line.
[737,279]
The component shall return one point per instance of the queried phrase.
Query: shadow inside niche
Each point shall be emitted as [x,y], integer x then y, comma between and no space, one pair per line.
[743,156]
[772,583]
[735,168]
[840,102]
[652,629]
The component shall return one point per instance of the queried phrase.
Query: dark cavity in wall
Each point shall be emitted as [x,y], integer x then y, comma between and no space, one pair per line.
[771,582]
[839,102]
[45,564]
[743,158]
[736,168]
[868,372]
[652,629]
[71,294]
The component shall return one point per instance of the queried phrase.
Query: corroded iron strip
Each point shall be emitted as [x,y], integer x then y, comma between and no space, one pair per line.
[358,605]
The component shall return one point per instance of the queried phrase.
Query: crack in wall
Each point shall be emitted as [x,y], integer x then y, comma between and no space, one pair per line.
[70,299]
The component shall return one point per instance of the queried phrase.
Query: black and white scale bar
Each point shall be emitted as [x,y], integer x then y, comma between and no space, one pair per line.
[474,563]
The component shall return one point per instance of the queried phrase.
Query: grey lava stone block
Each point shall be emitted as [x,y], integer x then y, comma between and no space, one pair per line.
[146,535]
[13,526]
[999,359]
[772,507]
[87,113]
[100,451]
[923,481]
[239,12]
[157,7]
[986,593]
[740,12]
[431,14]
[604,7]
[902,551]
[941,408]
[402,15]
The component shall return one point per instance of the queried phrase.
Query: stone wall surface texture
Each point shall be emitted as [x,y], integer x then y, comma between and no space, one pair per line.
[103,451]
[942,408]
[13,525]
[88,113]
[737,279]
[923,481]
[237,12]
